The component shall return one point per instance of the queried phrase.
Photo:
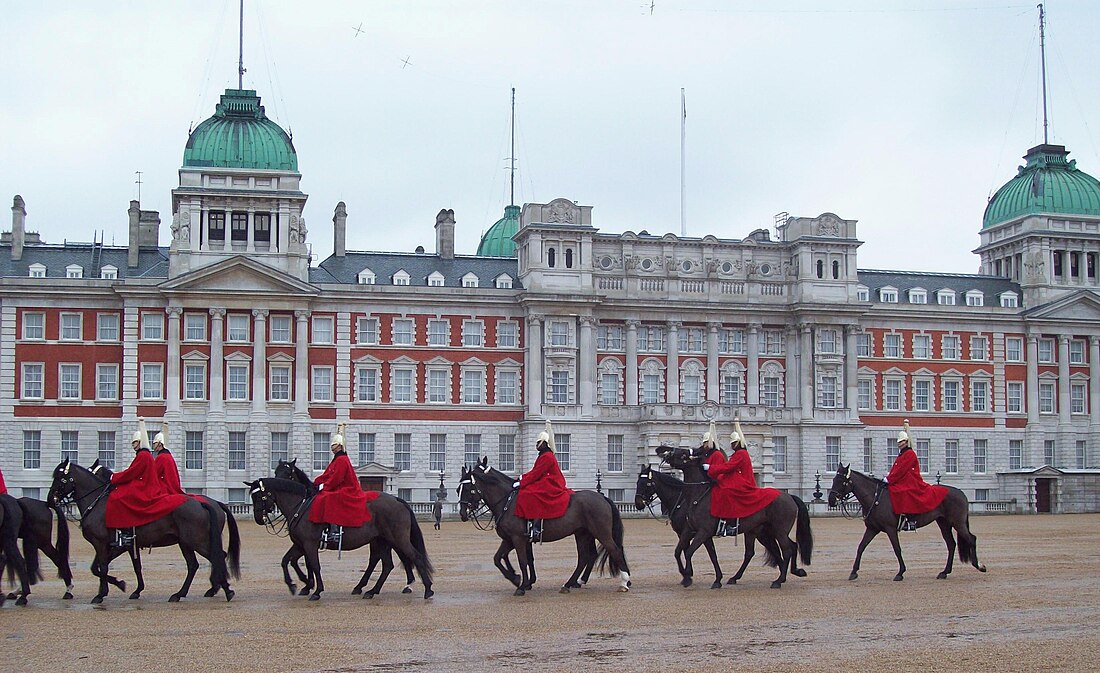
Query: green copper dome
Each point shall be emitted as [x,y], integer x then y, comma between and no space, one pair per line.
[240,135]
[1047,184]
[497,242]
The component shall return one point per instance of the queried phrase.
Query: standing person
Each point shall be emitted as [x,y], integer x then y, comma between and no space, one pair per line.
[138,496]
[910,494]
[340,500]
[437,508]
[737,494]
[542,490]
[167,470]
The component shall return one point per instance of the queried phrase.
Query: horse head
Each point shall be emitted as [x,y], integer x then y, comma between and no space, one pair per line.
[469,498]
[645,490]
[680,458]
[263,502]
[63,485]
[842,484]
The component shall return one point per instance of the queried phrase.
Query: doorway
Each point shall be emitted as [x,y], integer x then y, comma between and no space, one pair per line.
[1043,495]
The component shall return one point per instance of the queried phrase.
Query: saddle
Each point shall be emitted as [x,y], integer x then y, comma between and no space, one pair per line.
[907,523]
[727,529]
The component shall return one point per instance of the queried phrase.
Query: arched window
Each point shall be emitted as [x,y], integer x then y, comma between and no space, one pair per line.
[836,269]
[820,269]
[569,258]
[550,254]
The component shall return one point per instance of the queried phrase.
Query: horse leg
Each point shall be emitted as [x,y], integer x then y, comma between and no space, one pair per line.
[686,570]
[750,551]
[375,557]
[135,560]
[192,568]
[63,570]
[531,576]
[99,569]
[896,544]
[523,556]
[696,542]
[788,549]
[584,542]
[593,555]
[500,560]
[290,558]
[868,535]
[313,567]
[713,554]
[385,555]
[945,530]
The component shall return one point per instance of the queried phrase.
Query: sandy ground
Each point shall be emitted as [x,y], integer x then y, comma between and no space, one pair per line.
[1036,609]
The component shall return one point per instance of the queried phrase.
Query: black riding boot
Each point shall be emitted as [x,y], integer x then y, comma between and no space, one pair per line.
[124,537]
[534,529]
[907,523]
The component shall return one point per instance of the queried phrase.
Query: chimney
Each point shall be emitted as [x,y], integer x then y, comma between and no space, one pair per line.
[135,233]
[445,234]
[340,226]
[18,227]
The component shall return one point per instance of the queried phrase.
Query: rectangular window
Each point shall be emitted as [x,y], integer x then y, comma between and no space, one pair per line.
[32,449]
[1046,398]
[864,394]
[945,298]
[366,331]
[70,381]
[827,341]
[280,448]
[237,328]
[1015,396]
[438,386]
[238,226]
[981,446]
[194,327]
[1077,398]
[975,300]
[951,456]
[950,395]
[891,345]
[1081,455]
[893,394]
[473,333]
[237,383]
[891,454]
[609,338]
[832,453]
[192,450]
[403,332]
[1049,453]
[320,450]
[238,453]
[508,335]
[322,330]
[978,348]
[366,385]
[868,455]
[981,494]
[731,341]
[507,385]
[69,446]
[921,449]
[366,447]
[609,388]
[194,382]
[32,381]
[614,453]
[106,449]
[437,452]
[1014,349]
[280,329]
[322,384]
[405,494]
[690,340]
[107,327]
[950,347]
[828,392]
[691,392]
[770,388]
[651,388]
[34,326]
[731,389]
[261,225]
[402,451]
[471,449]
[559,386]
[506,453]
[216,224]
[979,396]
[616,495]
[562,450]
[1077,352]
[780,452]
[559,333]
[1046,350]
[72,327]
[439,332]
[152,377]
[863,345]
[922,391]
[651,339]
[922,346]
[1015,454]
[402,385]
[152,326]
[106,382]
[472,383]
[280,383]
[770,342]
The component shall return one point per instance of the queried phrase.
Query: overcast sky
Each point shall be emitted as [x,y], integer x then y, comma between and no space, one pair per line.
[903,115]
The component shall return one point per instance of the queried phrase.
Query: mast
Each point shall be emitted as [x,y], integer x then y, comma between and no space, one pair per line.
[240,52]
[512,157]
[1043,57]
[683,162]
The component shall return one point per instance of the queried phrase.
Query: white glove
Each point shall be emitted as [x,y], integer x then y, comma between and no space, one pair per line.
[321,487]
[706,467]
[885,480]
[515,484]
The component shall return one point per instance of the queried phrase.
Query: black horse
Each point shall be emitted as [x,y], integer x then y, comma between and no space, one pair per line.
[11,559]
[194,526]
[589,516]
[878,517]
[391,519]
[36,533]
[380,551]
[772,523]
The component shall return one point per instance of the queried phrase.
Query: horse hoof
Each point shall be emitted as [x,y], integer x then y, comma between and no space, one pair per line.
[368,595]
[717,584]
[518,592]
[777,584]
[356,591]
[981,569]
[406,590]
[315,597]
[174,598]
[68,596]
[686,582]
[899,577]
[732,580]
[798,572]
[22,600]
[293,588]
[304,591]
[428,593]
[852,576]
[623,589]
[121,585]
[563,590]
[211,592]
[97,600]
[136,595]
[229,594]
[11,596]
[941,576]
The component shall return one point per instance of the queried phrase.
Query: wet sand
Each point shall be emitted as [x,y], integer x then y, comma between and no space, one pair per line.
[1036,609]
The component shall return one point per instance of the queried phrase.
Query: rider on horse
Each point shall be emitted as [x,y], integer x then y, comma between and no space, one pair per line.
[138,496]
[909,492]
[167,470]
[737,494]
[340,500]
[542,491]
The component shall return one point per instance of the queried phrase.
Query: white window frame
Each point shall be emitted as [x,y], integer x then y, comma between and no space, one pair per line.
[893,394]
[323,330]
[282,329]
[1010,300]
[975,298]
[236,395]
[401,277]
[39,376]
[321,379]
[949,404]
[926,403]
[407,332]
[557,333]
[366,331]
[1011,344]
[1046,351]
[504,282]
[188,369]
[106,374]
[888,295]
[62,327]
[437,337]
[508,334]
[152,322]
[62,383]
[503,387]
[1077,351]
[863,346]
[945,297]
[366,385]
[865,394]
[956,348]
[918,296]
[922,346]
[473,333]
[829,399]
[365,277]
[470,280]
[826,342]
[979,396]
[558,383]
[472,394]
[892,345]
[436,279]
[400,393]
[1048,402]
[979,345]
[100,327]
[36,271]
[439,394]
[279,383]
[1017,398]
[74,271]
[1078,397]
[194,324]
[108,272]
[152,381]
[863,293]
[237,328]
[40,328]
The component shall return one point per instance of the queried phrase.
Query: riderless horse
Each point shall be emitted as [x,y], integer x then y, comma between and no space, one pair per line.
[772,523]
[36,533]
[878,517]
[11,559]
[274,498]
[590,516]
[194,526]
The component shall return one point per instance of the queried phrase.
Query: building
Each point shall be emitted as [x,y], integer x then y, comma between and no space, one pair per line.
[625,341]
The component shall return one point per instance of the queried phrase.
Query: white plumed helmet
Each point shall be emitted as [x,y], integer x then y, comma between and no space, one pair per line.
[737,437]
[547,435]
[338,438]
[710,436]
[141,435]
[162,436]
[904,435]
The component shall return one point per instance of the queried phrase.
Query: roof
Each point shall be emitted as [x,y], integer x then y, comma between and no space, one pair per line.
[497,242]
[1048,183]
[419,266]
[152,262]
[239,135]
[961,283]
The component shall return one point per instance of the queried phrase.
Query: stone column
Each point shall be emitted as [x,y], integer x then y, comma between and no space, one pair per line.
[172,376]
[806,371]
[259,362]
[714,390]
[1064,404]
[251,245]
[1032,379]
[631,381]
[217,360]
[301,363]
[534,366]
[1094,380]
[586,377]
[752,372]
[792,377]
[672,365]
[851,370]
[343,364]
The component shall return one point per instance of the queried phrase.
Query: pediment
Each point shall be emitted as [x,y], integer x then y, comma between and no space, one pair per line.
[1080,306]
[374,469]
[239,275]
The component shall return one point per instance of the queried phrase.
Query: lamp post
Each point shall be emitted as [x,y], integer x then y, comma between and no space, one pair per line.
[817,486]
[937,476]
[599,483]
[442,488]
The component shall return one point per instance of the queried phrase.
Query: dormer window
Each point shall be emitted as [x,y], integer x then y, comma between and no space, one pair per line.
[401,277]
[108,272]
[888,295]
[863,294]
[435,280]
[945,297]
[365,277]
[1009,300]
[37,271]
[975,298]
[74,271]
[470,280]
[918,295]
[504,282]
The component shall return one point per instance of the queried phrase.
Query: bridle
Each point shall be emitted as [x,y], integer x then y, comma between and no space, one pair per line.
[277,523]
[485,506]
[649,500]
[67,479]
[845,496]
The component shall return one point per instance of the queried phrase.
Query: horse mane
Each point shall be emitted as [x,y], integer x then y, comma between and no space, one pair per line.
[667,479]
[280,485]
[867,476]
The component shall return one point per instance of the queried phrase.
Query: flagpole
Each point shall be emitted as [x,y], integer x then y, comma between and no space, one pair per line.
[683,163]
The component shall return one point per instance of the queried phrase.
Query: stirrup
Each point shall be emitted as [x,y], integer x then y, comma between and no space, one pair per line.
[906,524]
[124,537]
[534,533]
[332,536]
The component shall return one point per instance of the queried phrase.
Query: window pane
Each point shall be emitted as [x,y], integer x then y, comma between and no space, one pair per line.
[506,453]
[320,450]
[237,451]
[614,453]
[193,450]
[402,451]
[280,448]
[106,449]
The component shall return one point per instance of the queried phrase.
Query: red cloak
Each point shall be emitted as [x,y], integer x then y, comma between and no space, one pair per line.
[138,497]
[3,487]
[737,494]
[909,492]
[542,491]
[341,501]
[168,472]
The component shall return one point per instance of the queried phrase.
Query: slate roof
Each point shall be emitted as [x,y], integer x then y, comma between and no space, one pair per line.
[961,283]
[419,266]
[152,262]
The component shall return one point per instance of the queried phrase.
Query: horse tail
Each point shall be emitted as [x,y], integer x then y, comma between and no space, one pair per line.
[62,544]
[967,543]
[804,536]
[772,553]
[234,558]
[416,538]
[217,554]
[602,556]
[9,538]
